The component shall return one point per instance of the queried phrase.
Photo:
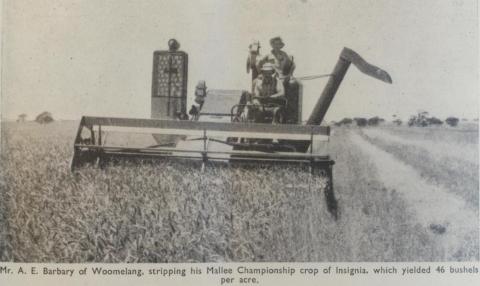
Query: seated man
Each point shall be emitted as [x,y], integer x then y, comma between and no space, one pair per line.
[200,94]
[284,67]
[268,95]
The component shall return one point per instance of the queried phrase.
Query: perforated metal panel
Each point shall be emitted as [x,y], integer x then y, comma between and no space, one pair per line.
[169,84]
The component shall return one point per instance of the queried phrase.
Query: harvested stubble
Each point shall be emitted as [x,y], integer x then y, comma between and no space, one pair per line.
[153,212]
[380,223]
[457,175]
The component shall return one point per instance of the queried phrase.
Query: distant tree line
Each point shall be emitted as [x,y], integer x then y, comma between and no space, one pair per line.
[422,119]
[360,121]
[43,118]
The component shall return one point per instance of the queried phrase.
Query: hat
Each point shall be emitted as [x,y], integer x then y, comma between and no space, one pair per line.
[267,67]
[277,39]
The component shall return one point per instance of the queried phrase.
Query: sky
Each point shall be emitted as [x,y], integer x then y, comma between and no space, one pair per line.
[91,57]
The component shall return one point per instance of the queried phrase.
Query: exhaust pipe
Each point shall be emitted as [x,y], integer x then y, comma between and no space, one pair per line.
[346,58]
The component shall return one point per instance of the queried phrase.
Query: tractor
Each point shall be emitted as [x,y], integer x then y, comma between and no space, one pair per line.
[222,126]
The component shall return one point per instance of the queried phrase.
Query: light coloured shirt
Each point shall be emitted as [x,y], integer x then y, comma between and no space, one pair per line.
[282,62]
[265,88]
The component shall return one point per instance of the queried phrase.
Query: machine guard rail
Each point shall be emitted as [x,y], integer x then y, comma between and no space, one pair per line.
[93,149]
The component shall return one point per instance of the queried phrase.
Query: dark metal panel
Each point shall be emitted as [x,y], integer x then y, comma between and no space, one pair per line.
[323,103]
[169,84]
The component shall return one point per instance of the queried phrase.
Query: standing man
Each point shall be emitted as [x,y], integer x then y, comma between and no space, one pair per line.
[254,59]
[282,62]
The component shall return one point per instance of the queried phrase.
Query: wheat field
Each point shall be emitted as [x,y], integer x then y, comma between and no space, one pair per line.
[171,211]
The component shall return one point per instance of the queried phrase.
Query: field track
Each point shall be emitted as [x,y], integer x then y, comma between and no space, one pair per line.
[432,206]
[465,152]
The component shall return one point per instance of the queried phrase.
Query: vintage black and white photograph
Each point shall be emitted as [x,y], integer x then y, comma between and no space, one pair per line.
[239,131]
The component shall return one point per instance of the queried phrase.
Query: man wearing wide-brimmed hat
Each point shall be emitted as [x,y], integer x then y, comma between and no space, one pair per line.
[267,84]
[268,94]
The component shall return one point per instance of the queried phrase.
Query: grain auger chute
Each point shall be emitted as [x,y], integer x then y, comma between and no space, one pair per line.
[215,131]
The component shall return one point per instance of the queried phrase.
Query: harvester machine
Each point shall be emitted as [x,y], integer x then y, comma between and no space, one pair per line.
[222,126]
